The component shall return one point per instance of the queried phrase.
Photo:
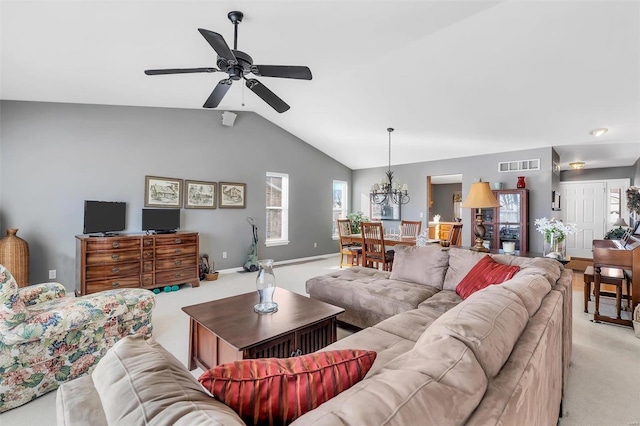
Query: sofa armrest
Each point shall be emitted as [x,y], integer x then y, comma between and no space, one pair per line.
[59,316]
[39,293]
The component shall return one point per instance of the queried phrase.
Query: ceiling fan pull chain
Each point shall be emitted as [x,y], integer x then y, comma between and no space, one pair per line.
[243,95]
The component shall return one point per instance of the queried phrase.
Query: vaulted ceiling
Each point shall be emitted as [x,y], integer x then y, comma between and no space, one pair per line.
[454,78]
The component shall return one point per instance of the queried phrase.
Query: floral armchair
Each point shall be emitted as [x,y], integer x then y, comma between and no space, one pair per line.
[47,338]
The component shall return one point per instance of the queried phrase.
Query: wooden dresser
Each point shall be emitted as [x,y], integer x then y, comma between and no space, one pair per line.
[136,261]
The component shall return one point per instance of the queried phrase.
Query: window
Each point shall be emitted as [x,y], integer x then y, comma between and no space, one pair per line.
[340,191]
[277,209]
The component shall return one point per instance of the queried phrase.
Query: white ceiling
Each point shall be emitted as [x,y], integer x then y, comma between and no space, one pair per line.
[454,78]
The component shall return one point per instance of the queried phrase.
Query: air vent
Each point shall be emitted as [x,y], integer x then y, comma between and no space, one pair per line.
[518,166]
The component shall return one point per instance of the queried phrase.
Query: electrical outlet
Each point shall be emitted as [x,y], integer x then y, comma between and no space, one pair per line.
[52,274]
[421,214]
[315,245]
[224,254]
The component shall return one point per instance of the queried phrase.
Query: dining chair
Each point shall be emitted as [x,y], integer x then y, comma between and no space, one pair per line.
[347,246]
[410,228]
[373,251]
[455,234]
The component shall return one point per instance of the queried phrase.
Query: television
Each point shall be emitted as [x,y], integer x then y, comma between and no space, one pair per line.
[104,217]
[160,221]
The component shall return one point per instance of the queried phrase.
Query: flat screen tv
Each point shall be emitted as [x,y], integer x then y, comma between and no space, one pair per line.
[104,217]
[160,220]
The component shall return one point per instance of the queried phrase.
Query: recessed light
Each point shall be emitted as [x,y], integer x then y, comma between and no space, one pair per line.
[599,132]
[577,165]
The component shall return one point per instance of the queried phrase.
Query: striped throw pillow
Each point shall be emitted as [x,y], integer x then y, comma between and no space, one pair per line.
[485,273]
[279,390]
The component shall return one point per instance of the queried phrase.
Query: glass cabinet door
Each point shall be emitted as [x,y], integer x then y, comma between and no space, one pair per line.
[510,207]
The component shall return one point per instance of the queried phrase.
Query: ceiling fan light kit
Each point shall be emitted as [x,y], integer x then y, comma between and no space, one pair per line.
[238,65]
[599,132]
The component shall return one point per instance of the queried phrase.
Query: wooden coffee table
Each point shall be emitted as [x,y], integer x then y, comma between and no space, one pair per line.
[228,329]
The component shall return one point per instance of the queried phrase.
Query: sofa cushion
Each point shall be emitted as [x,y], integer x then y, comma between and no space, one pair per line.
[367,295]
[409,325]
[277,391]
[489,322]
[436,384]
[140,382]
[483,274]
[460,263]
[531,289]
[548,268]
[442,301]
[422,265]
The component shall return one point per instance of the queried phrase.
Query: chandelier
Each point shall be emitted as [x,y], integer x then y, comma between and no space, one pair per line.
[387,192]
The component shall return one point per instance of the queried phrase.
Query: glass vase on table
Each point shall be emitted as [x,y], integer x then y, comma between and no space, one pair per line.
[554,246]
[266,286]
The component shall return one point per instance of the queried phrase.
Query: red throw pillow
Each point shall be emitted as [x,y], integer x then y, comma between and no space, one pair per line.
[485,273]
[279,390]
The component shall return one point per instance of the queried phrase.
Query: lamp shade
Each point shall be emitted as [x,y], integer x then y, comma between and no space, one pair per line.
[620,222]
[480,196]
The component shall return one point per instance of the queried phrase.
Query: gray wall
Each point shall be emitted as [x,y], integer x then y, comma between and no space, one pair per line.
[485,167]
[55,156]
[443,200]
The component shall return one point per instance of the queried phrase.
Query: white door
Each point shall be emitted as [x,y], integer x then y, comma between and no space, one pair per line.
[584,205]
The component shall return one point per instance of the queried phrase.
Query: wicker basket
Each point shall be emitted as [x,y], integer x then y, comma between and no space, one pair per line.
[14,255]
[636,321]
[211,277]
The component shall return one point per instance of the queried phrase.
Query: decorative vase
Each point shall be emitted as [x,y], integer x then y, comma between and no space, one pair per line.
[521,183]
[554,246]
[14,255]
[266,286]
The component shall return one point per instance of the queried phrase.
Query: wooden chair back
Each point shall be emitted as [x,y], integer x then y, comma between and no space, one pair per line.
[346,244]
[373,250]
[455,235]
[410,228]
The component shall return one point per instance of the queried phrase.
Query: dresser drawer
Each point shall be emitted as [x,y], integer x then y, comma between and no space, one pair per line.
[115,270]
[147,266]
[169,251]
[176,276]
[175,240]
[147,280]
[101,285]
[112,243]
[101,257]
[177,262]
[147,242]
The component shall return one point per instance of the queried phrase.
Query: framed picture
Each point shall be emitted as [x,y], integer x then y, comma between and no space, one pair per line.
[387,211]
[162,192]
[199,194]
[232,195]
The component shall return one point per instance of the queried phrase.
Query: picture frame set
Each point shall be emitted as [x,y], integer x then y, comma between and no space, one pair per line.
[167,192]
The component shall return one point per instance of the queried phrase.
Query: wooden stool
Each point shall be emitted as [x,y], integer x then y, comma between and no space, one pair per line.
[611,276]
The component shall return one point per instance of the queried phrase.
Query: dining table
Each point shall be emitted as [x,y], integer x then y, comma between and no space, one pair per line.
[389,240]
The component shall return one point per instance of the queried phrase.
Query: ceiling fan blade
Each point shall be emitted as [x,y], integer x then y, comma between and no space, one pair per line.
[218,93]
[267,95]
[282,71]
[219,45]
[179,71]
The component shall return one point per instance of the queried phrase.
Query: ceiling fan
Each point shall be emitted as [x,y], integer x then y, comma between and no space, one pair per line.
[238,65]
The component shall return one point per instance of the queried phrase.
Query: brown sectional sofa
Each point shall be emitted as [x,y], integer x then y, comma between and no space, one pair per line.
[498,357]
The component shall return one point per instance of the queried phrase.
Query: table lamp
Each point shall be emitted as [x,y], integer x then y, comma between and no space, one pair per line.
[620,223]
[480,197]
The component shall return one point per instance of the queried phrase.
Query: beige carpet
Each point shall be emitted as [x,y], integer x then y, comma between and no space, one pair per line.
[604,382]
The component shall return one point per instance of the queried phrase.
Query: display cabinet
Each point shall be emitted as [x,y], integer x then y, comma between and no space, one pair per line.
[509,222]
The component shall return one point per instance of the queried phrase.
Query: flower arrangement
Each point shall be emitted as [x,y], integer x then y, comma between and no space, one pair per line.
[553,228]
[633,199]
[555,232]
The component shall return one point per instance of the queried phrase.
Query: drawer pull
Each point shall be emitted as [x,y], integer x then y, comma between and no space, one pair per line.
[178,262]
[148,242]
[178,251]
[178,275]
[115,245]
[178,240]
[114,270]
[115,284]
[147,280]
[115,256]
[148,253]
